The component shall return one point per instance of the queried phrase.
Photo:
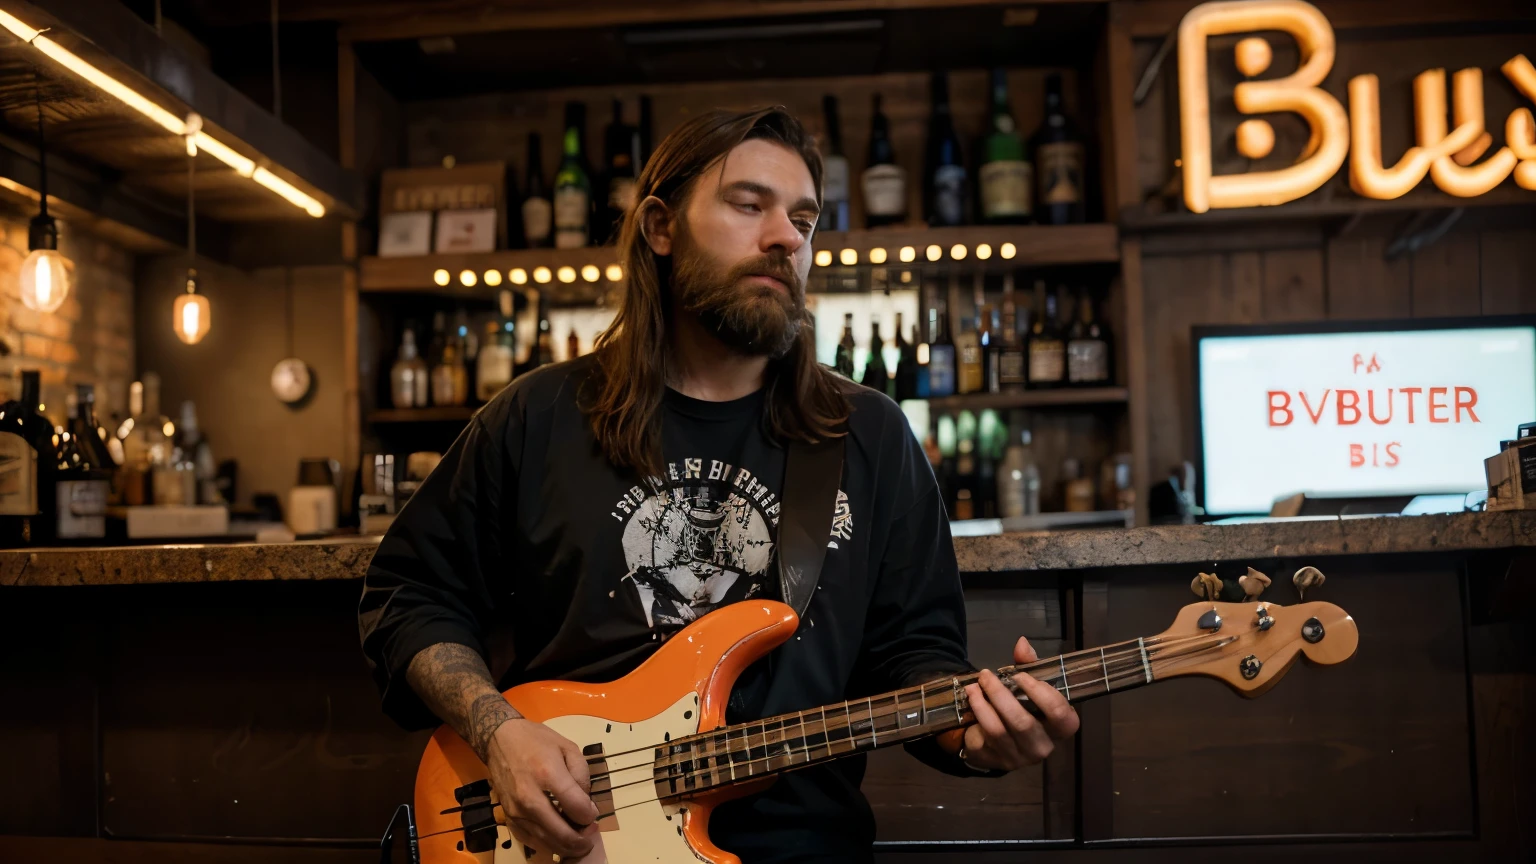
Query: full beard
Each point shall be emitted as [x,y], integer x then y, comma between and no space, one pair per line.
[747,316]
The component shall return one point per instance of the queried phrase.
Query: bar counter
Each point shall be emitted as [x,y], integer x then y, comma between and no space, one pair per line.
[347,558]
[209,703]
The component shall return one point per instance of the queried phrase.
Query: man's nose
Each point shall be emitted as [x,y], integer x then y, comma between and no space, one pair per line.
[779,231]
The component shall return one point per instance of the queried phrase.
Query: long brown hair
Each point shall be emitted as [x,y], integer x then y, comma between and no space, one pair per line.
[804,400]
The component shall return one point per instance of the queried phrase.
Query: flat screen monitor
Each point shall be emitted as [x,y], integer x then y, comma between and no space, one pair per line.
[1356,409]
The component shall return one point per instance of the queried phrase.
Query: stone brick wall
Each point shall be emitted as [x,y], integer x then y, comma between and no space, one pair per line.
[88,340]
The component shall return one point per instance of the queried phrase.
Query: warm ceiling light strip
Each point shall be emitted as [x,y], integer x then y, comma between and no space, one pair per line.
[243,165]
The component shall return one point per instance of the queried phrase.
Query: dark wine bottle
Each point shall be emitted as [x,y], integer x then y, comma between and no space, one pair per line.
[82,483]
[842,362]
[944,170]
[885,183]
[621,145]
[26,469]
[876,376]
[538,211]
[942,371]
[834,173]
[1058,151]
[1047,350]
[1088,354]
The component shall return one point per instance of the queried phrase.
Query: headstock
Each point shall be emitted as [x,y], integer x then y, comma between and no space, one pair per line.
[1250,645]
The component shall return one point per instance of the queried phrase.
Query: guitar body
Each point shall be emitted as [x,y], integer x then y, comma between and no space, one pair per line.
[680,690]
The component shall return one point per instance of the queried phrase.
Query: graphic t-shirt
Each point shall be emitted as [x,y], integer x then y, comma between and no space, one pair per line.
[526,544]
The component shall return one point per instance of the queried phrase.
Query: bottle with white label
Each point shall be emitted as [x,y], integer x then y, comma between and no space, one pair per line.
[82,484]
[834,173]
[1005,175]
[538,212]
[493,368]
[944,174]
[885,182]
[24,447]
[1047,349]
[573,186]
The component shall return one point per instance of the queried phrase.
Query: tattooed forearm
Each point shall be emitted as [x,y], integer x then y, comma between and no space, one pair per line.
[454,682]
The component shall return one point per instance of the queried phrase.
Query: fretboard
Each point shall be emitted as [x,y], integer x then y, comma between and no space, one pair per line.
[758,749]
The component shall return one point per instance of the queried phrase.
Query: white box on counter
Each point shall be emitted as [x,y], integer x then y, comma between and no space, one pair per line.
[176,521]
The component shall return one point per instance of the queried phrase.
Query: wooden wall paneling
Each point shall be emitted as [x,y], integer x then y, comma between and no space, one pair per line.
[1504,699]
[1362,284]
[912,802]
[1358,748]
[1117,135]
[1445,277]
[1508,271]
[1293,285]
[1095,793]
[496,127]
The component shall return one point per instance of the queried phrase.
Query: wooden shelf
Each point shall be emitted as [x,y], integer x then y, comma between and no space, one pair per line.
[1031,399]
[435,414]
[1034,245]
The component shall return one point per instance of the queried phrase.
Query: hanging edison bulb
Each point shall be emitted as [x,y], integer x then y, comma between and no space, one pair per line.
[192,313]
[45,273]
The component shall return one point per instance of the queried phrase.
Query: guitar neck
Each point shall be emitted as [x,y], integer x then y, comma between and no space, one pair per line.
[762,748]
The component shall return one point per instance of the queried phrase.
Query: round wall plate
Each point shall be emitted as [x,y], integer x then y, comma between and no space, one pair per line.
[291,380]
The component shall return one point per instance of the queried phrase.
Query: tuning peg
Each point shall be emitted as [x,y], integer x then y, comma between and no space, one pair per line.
[1306,578]
[1206,586]
[1253,584]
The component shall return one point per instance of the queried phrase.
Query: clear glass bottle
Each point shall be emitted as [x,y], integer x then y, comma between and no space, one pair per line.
[1018,477]
[408,377]
[493,370]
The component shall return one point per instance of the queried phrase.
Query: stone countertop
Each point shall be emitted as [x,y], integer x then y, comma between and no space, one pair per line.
[347,558]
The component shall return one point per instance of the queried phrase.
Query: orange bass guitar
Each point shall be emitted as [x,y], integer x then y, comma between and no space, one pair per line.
[661,757]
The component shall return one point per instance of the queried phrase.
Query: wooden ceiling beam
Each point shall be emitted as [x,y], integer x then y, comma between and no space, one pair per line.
[1157,18]
[412,21]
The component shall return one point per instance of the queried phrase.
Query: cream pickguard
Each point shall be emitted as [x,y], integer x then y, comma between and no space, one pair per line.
[647,831]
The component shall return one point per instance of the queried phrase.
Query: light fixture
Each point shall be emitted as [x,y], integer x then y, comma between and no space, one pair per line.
[44,274]
[908,254]
[541,275]
[1008,251]
[824,258]
[566,274]
[243,165]
[615,273]
[877,255]
[518,275]
[492,278]
[957,251]
[191,314]
[848,257]
[983,252]
[441,277]
[591,273]
[934,252]
[467,278]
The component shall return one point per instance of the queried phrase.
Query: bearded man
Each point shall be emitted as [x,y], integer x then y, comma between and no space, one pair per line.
[595,507]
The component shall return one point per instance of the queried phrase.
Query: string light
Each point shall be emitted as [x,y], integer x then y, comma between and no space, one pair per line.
[492,277]
[518,275]
[566,274]
[824,258]
[877,256]
[467,278]
[591,273]
[848,257]
[934,252]
[957,251]
[441,277]
[983,252]
[1008,251]
[615,273]
[908,254]
[541,275]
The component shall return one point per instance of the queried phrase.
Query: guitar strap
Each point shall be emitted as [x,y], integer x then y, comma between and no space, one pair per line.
[812,473]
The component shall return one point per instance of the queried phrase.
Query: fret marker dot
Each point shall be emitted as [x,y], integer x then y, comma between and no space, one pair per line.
[687,715]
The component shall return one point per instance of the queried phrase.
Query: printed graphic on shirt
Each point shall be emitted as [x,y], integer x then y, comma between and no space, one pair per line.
[701,537]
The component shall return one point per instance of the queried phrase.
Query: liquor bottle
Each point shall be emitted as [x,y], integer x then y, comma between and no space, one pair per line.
[945,427]
[834,173]
[88,430]
[906,363]
[545,353]
[1087,347]
[538,212]
[26,457]
[968,354]
[991,378]
[1047,351]
[842,362]
[572,345]
[493,369]
[876,375]
[469,350]
[408,376]
[1010,351]
[988,451]
[133,477]
[1058,152]
[944,170]
[198,453]
[449,385]
[573,185]
[965,467]
[1018,478]
[941,357]
[81,484]
[621,145]
[921,376]
[885,183]
[1005,172]
[646,131]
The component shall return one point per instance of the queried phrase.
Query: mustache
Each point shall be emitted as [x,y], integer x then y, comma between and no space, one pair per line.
[773,265]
